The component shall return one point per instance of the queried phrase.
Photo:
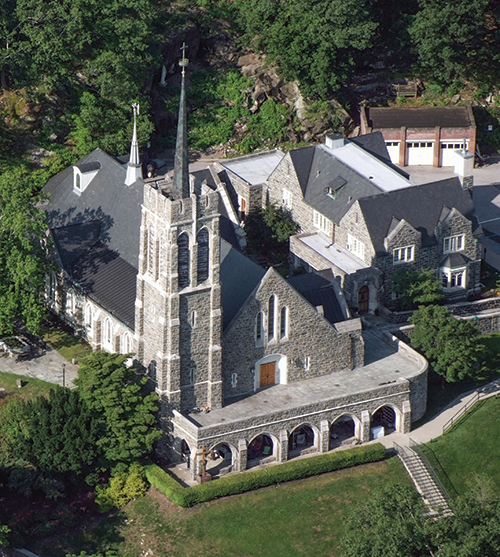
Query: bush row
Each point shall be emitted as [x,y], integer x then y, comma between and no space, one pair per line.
[254,479]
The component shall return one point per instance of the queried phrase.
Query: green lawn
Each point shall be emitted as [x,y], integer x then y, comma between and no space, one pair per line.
[67,344]
[292,519]
[31,387]
[469,448]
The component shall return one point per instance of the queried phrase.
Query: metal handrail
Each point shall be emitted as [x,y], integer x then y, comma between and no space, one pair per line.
[415,446]
[461,411]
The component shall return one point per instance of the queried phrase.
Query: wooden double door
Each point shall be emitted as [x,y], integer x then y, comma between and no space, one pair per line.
[267,374]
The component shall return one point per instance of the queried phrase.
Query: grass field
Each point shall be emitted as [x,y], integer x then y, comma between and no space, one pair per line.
[293,519]
[469,448]
[31,387]
[68,345]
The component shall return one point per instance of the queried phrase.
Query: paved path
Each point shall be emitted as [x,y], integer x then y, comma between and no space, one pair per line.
[434,427]
[48,367]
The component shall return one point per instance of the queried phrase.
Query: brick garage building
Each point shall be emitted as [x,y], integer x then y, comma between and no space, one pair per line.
[422,136]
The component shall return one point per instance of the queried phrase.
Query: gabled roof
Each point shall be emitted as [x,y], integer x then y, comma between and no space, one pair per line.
[318,291]
[421,206]
[106,200]
[109,280]
[239,276]
[348,172]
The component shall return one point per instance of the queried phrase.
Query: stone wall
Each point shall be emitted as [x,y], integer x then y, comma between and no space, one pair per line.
[311,347]
[285,177]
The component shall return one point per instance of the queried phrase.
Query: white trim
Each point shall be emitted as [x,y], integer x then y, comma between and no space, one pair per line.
[403,255]
[322,223]
[453,244]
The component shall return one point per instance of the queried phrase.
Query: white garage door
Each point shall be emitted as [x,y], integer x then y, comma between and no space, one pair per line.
[393,150]
[419,152]
[448,149]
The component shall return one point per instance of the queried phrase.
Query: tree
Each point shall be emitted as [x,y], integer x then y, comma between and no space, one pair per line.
[23,255]
[314,42]
[392,523]
[127,415]
[395,523]
[451,345]
[415,287]
[453,40]
[55,434]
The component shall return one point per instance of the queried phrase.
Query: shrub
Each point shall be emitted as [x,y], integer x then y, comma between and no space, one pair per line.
[124,486]
[255,479]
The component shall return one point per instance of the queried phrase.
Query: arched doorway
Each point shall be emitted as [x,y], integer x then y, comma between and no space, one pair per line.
[342,432]
[383,422]
[220,460]
[300,441]
[185,453]
[363,299]
[260,450]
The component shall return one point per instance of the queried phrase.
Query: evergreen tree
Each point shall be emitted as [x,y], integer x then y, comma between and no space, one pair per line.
[116,396]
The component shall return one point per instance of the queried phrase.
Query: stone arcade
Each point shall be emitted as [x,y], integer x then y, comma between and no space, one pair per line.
[247,363]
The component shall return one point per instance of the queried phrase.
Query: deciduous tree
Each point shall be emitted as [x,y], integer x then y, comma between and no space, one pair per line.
[451,345]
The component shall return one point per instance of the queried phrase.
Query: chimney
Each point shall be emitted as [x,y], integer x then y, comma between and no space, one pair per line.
[334,141]
[464,163]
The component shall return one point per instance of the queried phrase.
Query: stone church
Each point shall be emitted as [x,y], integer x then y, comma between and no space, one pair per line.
[248,363]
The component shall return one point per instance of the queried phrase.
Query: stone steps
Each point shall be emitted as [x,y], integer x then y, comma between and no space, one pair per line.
[430,492]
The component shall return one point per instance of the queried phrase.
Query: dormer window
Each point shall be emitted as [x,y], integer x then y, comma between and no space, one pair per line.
[403,255]
[83,174]
[453,243]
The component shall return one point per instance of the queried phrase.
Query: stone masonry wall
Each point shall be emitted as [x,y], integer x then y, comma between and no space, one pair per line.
[354,223]
[309,336]
[285,177]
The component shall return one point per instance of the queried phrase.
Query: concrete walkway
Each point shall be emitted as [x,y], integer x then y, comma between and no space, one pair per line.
[48,367]
[434,427]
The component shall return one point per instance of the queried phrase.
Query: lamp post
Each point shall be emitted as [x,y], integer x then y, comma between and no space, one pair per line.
[64,375]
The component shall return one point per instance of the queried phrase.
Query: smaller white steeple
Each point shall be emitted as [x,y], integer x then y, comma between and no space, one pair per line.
[134,167]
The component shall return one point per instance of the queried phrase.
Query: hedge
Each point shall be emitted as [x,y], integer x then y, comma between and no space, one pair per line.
[254,479]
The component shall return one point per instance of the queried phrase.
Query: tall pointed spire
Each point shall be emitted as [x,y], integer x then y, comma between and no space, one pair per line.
[180,189]
[134,167]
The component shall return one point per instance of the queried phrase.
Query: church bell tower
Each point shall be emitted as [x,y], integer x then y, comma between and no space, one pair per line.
[178,304]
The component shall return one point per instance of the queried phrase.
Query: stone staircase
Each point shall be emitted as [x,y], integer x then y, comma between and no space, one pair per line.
[427,484]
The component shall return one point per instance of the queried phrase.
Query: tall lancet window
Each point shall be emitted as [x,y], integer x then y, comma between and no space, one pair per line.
[150,248]
[203,255]
[270,317]
[183,260]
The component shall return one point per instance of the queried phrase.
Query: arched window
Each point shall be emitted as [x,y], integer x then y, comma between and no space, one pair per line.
[259,328]
[270,317]
[108,334]
[284,322]
[126,343]
[151,248]
[203,255]
[152,370]
[183,260]
[52,286]
[89,320]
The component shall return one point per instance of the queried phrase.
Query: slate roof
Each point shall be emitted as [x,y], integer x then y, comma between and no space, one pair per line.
[106,200]
[347,171]
[96,232]
[421,206]
[374,143]
[318,291]
[422,117]
[109,280]
[239,276]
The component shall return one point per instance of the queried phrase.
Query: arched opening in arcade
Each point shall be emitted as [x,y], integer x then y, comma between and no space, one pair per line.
[383,422]
[220,460]
[300,441]
[343,432]
[261,450]
[185,453]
